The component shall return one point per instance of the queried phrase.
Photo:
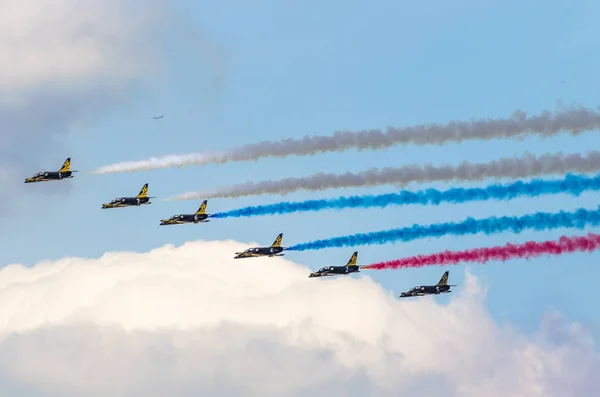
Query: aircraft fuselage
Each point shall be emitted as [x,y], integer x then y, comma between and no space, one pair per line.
[427,290]
[334,271]
[50,176]
[185,218]
[260,251]
[127,202]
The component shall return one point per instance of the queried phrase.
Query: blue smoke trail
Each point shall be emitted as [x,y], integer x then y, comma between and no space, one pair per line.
[538,221]
[572,184]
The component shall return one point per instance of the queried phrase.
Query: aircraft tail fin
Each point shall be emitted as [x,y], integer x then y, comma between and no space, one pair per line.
[352,260]
[66,166]
[444,279]
[277,242]
[202,209]
[143,192]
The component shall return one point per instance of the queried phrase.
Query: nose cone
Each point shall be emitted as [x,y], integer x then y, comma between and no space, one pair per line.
[28,180]
[313,274]
[106,205]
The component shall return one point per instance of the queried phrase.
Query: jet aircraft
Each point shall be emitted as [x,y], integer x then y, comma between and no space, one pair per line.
[47,176]
[199,216]
[159,117]
[274,250]
[141,198]
[442,287]
[350,267]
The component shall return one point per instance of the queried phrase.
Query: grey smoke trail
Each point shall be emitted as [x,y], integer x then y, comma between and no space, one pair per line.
[574,120]
[525,166]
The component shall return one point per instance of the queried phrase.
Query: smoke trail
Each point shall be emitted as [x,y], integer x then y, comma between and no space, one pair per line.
[527,165]
[546,124]
[503,253]
[537,221]
[572,184]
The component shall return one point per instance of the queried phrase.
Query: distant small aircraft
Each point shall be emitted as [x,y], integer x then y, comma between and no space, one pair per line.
[159,117]
[442,287]
[274,250]
[350,267]
[47,176]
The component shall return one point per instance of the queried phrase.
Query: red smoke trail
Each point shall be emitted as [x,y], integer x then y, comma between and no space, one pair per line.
[500,253]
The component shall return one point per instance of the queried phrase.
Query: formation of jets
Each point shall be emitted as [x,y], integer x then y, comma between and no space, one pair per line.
[200,216]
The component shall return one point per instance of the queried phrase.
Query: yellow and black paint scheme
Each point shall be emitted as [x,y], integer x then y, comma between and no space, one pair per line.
[442,287]
[141,199]
[350,267]
[274,250]
[46,176]
[197,217]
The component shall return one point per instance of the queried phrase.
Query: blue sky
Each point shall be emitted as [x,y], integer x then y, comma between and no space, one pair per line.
[240,72]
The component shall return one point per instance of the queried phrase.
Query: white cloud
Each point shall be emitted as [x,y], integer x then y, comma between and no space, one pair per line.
[191,320]
[72,41]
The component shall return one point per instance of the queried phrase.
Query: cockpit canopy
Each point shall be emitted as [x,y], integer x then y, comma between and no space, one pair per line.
[324,269]
[39,174]
[252,250]
[116,200]
[176,216]
[415,288]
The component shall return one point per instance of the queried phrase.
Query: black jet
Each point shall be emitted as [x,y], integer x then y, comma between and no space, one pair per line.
[140,199]
[351,267]
[274,250]
[158,117]
[199,216]
[440,288]
[47,176]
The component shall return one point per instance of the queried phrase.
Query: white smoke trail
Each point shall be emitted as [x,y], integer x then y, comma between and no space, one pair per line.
[574,120]
[525,166]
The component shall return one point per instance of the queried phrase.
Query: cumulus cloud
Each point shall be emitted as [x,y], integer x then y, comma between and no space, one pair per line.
[61,60]
[71,41]
[190,320]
